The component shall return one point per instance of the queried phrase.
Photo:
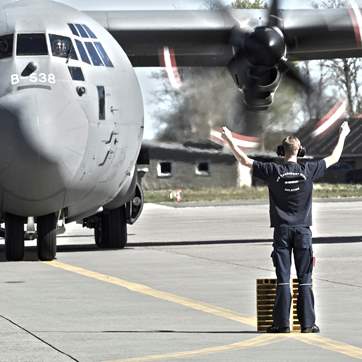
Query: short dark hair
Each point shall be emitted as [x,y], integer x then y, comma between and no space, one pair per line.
[291,145]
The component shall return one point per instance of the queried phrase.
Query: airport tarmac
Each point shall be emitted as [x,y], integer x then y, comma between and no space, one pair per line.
[182,290]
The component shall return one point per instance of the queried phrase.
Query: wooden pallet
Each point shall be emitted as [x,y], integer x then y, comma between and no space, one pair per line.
[265,298]
[295,293]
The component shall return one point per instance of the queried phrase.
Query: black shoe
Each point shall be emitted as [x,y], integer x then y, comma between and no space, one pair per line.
[275,329]
[313,329]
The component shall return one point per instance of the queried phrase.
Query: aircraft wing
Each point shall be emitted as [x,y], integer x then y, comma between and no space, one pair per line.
[202,38]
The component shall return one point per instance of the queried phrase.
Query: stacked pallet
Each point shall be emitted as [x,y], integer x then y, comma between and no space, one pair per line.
[265,298]
[295,321]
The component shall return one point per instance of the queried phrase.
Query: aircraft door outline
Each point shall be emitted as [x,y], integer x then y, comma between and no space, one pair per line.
[108,118]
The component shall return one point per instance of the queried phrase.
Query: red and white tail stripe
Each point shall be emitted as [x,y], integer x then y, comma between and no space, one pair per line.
[356,17]
[240,140]
[331,118]
[169,62]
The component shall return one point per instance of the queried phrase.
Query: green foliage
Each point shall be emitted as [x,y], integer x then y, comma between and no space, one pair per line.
[247,4]
[323,4]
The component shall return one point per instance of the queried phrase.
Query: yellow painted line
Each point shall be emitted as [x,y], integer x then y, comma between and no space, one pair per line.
[330,345]
[144,289]
[250,343]
[311,339]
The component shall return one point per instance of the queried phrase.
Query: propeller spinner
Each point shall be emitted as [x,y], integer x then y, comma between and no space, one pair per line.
[260,61]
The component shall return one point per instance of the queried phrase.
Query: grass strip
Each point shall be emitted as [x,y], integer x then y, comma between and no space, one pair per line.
[249,193]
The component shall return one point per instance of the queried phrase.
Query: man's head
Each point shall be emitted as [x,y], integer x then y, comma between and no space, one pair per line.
[290,147]
[60,48]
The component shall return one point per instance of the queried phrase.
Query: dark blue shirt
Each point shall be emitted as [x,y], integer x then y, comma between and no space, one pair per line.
[290,190]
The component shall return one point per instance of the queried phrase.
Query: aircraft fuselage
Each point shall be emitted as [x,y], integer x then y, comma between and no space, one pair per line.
[71,112]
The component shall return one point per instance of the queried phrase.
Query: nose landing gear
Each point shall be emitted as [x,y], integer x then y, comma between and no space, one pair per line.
[46,237]
[14,237]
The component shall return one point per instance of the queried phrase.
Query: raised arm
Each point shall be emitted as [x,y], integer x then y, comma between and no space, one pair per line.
[337,152]
[237,151]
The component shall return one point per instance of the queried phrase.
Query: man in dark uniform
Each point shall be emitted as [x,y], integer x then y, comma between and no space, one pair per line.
[290,195]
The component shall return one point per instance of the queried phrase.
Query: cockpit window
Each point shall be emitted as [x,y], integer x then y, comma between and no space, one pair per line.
[6,46]
[82,31]
[32,44]
[82,52]
[73,29]
[90,32]
[62,47]
[76,73]
[96,60]
[103,54]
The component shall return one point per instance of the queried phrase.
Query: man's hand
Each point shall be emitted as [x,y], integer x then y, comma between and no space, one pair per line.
[226,134]
[344,130]
[237,151]
[337,152]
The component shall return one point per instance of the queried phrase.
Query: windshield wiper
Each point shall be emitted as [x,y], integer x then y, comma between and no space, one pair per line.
[69,54]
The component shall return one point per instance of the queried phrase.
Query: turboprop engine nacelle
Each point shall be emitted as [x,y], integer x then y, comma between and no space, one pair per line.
[257,83]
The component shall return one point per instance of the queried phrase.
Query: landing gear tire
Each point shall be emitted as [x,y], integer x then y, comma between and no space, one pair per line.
[14,237]
[47,237]
[111,230]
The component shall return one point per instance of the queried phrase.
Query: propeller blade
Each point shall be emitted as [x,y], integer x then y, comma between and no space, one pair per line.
[330,119]
[240,30]
[242,141]
[274,18]
[293,73]
[168,60]
[238,37]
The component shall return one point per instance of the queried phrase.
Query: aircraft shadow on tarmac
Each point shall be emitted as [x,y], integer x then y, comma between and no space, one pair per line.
[31,251]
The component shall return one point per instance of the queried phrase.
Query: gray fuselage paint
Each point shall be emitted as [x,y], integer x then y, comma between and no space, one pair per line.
[55,151]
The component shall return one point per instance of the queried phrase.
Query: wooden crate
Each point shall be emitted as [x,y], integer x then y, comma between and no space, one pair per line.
[265,298]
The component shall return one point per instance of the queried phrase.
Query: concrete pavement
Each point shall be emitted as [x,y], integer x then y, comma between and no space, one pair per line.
[183,289]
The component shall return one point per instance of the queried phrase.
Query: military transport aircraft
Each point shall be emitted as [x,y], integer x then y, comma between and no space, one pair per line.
[71,110]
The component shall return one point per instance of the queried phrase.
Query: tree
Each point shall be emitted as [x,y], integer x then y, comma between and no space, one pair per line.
[342,75]
[318,100]
[246,4]
[208,98]
[236,4]
[325,4]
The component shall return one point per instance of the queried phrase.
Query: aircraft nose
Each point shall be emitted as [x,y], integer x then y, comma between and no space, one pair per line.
[42,143]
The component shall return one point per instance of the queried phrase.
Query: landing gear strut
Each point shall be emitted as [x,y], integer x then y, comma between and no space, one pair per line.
[110,231]
[14,237]
[47,237]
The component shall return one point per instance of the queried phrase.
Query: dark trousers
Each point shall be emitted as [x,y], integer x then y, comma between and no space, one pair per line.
[298,239]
